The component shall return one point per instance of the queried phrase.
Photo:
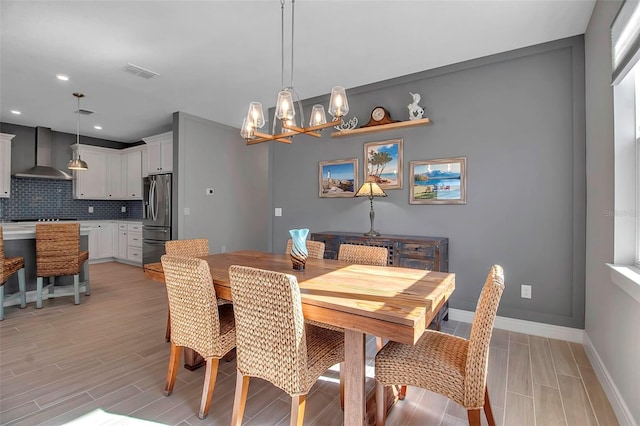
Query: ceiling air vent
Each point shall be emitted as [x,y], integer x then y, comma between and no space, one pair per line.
[139,71]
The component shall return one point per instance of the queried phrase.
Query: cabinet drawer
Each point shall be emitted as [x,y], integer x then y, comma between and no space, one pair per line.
[122,226]
[135,227]
[134,239]
[406,262]
[134,254]
[417,250]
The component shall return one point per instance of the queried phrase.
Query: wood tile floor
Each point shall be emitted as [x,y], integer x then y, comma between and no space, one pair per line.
[109,353]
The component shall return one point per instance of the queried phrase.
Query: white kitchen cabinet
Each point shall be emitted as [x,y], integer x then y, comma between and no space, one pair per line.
[5,165]
[132,166]
[91,183]
[112,174]
[159,153]
[100,240]
[115,179]
[134,243]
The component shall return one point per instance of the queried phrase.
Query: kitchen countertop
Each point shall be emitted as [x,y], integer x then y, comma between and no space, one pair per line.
[27,230]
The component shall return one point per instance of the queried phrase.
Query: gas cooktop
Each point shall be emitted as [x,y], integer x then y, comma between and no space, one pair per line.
[46,219]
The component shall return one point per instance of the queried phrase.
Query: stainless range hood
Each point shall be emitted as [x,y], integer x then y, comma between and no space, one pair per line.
[43,169]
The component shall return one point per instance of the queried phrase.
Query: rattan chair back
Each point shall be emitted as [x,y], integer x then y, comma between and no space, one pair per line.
[192,301]
[363,255]
[481,331]
[187,248]
[57,249]
[315,248]
[270,333]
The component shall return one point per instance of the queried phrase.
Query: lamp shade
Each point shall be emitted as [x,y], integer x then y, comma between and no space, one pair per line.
[284,106]
[255,115]
[338,104]
[370,189]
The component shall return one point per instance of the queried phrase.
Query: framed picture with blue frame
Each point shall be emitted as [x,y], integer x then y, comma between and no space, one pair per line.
[439,181]
[338,178]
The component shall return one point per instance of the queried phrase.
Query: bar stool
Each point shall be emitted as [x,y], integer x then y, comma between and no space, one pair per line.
[8,267]
[58,254]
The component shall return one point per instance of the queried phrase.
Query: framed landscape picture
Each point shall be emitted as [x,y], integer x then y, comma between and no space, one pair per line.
[383,161]
[441,181]
[338,178]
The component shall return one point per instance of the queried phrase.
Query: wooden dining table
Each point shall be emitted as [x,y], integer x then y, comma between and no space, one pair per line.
[390,302]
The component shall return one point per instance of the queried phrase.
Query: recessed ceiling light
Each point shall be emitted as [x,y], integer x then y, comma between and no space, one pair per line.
[15,111]
[62,77]
[97,127]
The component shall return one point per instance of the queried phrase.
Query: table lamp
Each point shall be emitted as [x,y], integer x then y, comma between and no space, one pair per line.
[371,189]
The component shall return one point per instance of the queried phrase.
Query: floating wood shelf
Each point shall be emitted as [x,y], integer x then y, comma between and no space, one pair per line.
[381,128]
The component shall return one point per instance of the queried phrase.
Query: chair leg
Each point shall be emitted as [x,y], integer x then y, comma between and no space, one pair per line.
[487,409]
[85,272]
[381,411]
[1,301]
[210,376]
[23,288]
[39,293]
[167,333]
[298,404]
[76,289]
[474,417]
[240,399]
[342,378]
[172,372]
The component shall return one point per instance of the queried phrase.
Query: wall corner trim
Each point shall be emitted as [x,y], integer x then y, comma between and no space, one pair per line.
[617,402]
[523,326]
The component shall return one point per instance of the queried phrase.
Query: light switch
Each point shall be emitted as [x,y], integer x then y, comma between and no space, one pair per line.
[90,209]
[123,209]
[187,211]
[210,191]
[278,211]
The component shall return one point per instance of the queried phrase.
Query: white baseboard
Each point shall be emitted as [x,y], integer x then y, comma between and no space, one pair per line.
[522,326]
[617,402]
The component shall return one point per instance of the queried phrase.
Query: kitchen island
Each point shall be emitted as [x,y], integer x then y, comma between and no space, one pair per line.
[20,240]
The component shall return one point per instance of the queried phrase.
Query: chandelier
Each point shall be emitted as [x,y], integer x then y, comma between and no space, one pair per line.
[285,110]
[76,162]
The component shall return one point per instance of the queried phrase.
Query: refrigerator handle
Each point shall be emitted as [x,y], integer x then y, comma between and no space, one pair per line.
[167,199]
[153,202]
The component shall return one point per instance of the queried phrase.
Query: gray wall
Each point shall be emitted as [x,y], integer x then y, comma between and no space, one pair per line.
[518,117]
[612,316]
[212,155]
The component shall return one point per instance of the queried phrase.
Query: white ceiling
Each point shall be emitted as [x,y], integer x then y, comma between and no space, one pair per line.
[214,57]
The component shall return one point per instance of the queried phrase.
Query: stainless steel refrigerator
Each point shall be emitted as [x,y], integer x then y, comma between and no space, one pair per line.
[156,224]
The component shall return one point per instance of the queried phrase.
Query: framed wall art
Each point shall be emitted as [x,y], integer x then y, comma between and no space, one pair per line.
[338,178]
[441,181]
[383,161]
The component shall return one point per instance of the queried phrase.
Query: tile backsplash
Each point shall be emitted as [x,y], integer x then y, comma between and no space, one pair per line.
[45,198]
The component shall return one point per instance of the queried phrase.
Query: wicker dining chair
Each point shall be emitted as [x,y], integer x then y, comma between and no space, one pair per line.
[196,247]
[315,248]
[58,254]
[363,255]
[446,364]
[273,341]
[197,321]
[8,267]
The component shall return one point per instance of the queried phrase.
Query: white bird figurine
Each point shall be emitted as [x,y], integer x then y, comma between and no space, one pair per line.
[415,110]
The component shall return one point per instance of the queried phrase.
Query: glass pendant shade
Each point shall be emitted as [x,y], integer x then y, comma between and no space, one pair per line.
[338,104]
[284,106]
[247,129]
[318,116]
[255,116]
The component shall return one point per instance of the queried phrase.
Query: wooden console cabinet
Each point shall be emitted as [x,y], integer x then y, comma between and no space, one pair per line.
[408,251]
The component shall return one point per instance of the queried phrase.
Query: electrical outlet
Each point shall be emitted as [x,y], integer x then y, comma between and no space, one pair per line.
[187,211]
[90,209]
[123,209]
[223,249]
[525,291]
[210,191]
[278,211]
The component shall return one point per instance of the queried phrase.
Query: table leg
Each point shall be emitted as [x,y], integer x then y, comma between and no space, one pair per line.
[354,401]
